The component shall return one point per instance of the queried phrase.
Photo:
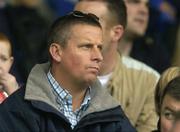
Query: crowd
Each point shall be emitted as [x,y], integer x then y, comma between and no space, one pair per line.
[102,65]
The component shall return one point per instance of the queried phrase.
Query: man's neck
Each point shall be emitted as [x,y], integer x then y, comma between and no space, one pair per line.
[77,99]
[77,90]
[125,46]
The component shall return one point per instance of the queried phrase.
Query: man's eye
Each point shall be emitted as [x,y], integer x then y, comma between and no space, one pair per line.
[100,47]
[88,46]
[169,115]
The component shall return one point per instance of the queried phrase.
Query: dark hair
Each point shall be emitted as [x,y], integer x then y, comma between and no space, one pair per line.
[173,89]
[117,9]
[61,28]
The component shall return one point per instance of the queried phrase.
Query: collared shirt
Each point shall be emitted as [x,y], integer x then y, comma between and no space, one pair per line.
[64,99]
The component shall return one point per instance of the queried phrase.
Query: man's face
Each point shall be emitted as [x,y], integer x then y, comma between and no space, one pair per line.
[169,112]
[81,58]
[137,17]
[99,9]
[5,57]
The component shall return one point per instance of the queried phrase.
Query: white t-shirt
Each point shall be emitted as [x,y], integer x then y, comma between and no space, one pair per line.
[104,79]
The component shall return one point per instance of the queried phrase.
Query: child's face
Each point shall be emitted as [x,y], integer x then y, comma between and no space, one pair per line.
[6,59]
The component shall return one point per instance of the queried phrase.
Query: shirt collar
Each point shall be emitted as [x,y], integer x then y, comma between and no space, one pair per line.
[64,94]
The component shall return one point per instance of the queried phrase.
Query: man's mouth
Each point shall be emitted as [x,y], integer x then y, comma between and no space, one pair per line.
[94,69]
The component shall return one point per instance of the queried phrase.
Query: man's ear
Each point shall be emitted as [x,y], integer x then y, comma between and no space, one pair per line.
[55,51]
[118,31]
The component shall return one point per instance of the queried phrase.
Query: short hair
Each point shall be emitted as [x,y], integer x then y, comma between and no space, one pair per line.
[61,29]
[117,9]
[4,38]
[166,77]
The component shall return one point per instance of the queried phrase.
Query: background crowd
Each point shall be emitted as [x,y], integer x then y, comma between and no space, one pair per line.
[26,21]
[145,48]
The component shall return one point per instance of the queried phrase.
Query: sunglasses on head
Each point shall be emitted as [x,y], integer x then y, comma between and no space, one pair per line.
[80,14]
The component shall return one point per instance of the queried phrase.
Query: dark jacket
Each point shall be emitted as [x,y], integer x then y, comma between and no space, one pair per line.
[34,109]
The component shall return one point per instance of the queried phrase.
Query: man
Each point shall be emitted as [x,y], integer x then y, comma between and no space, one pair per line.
[8,83]
[141,40]
[137,21]
[130,82]
[64,95]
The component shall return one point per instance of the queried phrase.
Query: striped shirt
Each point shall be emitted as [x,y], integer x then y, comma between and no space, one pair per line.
[64,100]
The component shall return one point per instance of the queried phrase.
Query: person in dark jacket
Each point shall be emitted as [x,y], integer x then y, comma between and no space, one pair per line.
[63,95]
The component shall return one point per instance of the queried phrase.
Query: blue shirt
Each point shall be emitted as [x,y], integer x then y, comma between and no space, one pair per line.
[64,99]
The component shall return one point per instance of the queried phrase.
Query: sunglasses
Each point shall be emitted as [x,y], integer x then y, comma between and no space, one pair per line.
[80,14]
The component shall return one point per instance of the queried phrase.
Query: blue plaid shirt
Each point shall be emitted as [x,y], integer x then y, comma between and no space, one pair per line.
[64,99]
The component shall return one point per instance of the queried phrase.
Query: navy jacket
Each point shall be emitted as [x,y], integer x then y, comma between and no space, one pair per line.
[34,109]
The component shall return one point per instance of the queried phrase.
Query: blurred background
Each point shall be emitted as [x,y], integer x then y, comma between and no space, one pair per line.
[26,23]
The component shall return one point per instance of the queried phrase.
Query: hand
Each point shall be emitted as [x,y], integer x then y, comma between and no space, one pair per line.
[8,82]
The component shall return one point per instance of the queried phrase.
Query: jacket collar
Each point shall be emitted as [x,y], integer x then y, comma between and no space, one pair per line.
[39,89]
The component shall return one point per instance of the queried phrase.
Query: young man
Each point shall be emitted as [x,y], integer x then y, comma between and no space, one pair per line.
[130,82]
[8,83]
[138,43]
[64,95]
[137,21]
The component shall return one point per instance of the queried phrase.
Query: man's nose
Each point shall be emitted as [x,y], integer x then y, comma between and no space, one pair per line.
[176,126]
[143,8]
[97,55]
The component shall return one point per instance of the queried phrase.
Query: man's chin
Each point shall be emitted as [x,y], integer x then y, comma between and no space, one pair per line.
[91,80]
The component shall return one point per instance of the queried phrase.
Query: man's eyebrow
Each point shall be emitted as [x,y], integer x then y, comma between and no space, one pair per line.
[177,112]
[169,108]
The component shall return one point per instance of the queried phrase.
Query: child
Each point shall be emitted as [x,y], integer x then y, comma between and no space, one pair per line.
[8,83]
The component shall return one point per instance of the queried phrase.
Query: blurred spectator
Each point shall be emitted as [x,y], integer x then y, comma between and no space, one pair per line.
[152,48]
[137,21]
[167,100]
[41,6]
[176,56]
[27,30]
[8,83]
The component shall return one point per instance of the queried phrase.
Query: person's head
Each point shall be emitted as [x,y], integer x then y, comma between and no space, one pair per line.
[75,46]
[170,109]
[137,18]
[112,14]
[167,100]
[6,58]
[168,75]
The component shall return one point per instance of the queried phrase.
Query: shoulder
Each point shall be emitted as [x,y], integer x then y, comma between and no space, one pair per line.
[15,102]
[100,95]
[137,66]
[17,114]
